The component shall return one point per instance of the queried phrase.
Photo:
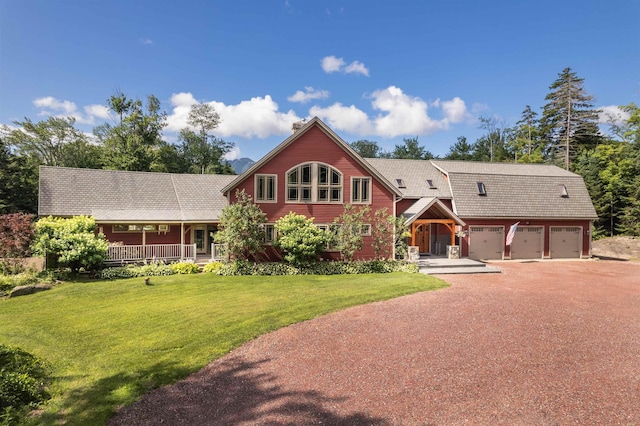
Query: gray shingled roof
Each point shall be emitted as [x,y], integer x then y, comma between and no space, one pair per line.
[423,204]
[516,191]
[122,196]
[414,173]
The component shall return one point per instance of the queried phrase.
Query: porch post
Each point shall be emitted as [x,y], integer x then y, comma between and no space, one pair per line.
[453,233]
[413,234]
[144,243]
[181,240]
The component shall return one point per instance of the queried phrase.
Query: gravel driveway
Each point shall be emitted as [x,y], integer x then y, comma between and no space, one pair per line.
[543,343]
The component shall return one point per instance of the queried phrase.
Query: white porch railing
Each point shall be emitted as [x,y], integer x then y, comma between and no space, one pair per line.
[219,251]
[133,253]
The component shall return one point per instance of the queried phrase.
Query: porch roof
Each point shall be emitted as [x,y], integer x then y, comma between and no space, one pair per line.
[124,196]
[422,205]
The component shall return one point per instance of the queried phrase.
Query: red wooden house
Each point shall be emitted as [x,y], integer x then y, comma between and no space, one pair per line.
[315,173]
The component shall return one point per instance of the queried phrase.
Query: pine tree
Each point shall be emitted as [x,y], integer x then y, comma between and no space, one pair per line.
[568,119]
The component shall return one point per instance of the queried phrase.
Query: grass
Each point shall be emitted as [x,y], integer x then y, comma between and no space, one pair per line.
[110,342]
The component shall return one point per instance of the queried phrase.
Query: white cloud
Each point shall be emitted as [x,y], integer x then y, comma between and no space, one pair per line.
[332,64]
[234,154]
[49,102]
[612,114]
[404,114]
[308,94]
[146,41]
[99,111]
[258,117]
[455,110]
[356,67]
[339,117]
[400,114]
[50,106]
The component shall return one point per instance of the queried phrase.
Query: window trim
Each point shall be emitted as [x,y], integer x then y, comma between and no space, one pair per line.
[314,185]
[361,180]
[267,177]
[275,234]
[137,228]
[327,227]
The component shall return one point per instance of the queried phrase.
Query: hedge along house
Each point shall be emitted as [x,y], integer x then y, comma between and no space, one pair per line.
[143,215]
[315,173]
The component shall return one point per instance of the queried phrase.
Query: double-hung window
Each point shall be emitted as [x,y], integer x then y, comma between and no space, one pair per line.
[360,190]
[266,188]
[314,183]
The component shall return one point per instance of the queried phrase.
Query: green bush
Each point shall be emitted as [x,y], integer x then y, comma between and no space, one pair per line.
[23,383]
[299,239]
[8,282]
[154,269]
[212,267]
[185,267]
[316,268]
[71,243]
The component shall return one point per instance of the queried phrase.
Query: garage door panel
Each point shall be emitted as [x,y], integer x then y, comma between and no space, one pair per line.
[565,242]
[486,242]
[528,243]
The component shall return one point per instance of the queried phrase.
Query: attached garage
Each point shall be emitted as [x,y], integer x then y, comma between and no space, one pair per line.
[528,243]
[486,242]
[565,242]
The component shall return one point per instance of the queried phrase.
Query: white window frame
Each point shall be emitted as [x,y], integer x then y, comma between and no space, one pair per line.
[366,230]
[327,227]
[268,241]
[358,182]
[266,178]
[313,186]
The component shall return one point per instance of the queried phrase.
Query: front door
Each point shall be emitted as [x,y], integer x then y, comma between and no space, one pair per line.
[200,238]
[422,238]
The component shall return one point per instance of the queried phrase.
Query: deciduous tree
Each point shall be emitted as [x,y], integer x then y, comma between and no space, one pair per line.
[241,227]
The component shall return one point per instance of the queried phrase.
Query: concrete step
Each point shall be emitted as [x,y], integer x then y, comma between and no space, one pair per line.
[460,270]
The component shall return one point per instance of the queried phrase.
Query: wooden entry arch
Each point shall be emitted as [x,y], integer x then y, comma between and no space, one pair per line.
[419,225]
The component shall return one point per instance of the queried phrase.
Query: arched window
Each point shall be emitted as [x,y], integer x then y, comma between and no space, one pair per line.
[314,183]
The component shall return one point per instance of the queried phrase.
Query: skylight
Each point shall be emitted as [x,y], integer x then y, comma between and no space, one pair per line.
[563,191]
[431,184]
[400,183]
[481,189]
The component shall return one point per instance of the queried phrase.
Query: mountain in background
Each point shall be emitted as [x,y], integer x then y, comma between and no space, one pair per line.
[240,165]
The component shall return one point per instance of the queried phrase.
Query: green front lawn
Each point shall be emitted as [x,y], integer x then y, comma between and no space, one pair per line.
[109,342]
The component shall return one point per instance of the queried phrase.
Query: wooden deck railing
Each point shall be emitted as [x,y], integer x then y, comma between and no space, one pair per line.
[219,251]
[134,253]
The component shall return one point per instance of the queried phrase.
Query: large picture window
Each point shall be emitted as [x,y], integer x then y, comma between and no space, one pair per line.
[266,188]
[361,190]
[314,183]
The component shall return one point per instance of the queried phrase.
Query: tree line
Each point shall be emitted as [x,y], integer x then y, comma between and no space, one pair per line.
[131,141]
[565,134]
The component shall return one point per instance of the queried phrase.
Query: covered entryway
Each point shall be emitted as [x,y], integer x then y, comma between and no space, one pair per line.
[528,243]
[425,213]
[565,242]
[486,242]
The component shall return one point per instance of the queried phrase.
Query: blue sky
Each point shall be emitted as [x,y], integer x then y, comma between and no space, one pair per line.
[381,71]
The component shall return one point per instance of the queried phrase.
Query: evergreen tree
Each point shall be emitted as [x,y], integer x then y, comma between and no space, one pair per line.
[461,150]
[568,119]
[412,150]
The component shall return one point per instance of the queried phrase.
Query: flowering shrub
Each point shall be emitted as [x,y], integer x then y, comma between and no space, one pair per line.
[131,271]
[316,268]
[212,267]
[185,267]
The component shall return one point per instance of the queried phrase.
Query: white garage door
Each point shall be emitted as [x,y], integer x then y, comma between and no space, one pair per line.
[528,243]
[486,242]
[565,242]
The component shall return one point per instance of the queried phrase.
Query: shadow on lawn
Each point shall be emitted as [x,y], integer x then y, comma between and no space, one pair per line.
[94,405]
[234,392]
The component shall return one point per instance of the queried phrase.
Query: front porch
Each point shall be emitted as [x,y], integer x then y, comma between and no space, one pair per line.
[135,253]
